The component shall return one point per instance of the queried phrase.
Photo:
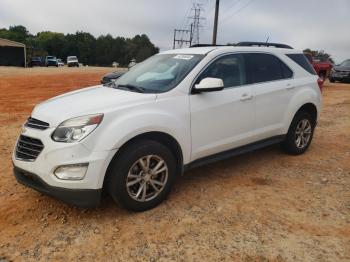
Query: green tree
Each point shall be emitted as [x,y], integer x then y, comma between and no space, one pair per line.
[51,42]
[101,51]
[321,54]
[16,33]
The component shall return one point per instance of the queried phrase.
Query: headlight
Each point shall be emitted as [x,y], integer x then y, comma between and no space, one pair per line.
[76,129]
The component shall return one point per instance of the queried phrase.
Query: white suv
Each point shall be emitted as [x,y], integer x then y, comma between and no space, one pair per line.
[174,111]
[72,61]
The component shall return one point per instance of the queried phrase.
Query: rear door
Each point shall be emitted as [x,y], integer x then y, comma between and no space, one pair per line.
[273,85]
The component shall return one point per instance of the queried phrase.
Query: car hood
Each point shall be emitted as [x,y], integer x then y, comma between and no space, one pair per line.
[91,100]
[342,68]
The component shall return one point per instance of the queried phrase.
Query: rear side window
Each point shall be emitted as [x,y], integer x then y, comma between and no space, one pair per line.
[301,60]
[265,68]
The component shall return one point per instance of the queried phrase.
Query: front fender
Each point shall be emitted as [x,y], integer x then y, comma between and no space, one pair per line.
[127,125]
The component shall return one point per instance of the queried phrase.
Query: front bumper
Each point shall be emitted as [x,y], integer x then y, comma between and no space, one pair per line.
[76,197]
[340,76]
[51,63]
[56,154]
[73,64]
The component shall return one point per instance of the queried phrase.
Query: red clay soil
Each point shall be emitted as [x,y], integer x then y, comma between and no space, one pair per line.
[262,206]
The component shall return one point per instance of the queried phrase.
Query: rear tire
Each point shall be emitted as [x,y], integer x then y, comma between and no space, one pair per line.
[300,134]
[142,175]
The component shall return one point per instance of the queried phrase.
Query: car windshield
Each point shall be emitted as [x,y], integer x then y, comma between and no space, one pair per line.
[51,57]
[72,58]
[159,73]
[345,63]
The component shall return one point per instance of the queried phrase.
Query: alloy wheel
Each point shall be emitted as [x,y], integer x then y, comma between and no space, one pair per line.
[147,178]
[303,133]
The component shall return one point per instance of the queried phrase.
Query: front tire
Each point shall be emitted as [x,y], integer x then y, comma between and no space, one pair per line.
[142,175]
[300,134]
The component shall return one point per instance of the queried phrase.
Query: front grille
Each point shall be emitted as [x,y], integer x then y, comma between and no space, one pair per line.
[36,124]
[28,148]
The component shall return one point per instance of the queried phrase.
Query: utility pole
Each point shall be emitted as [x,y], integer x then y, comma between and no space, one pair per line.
[179,40]
[189,37]
[216,18]
[197,8]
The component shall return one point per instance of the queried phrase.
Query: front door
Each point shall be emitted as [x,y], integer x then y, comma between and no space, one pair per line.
[222,120]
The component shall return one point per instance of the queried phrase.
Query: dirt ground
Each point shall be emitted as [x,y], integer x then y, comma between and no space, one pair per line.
[262,206]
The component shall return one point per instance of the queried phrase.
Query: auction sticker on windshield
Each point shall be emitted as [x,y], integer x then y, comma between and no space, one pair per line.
[184,57]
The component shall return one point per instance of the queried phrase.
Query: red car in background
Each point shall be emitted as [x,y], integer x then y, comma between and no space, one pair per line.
[322,65]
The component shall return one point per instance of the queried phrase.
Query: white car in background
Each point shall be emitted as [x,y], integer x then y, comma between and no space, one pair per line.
[60,62]
[132,63]
[72,61]
[176,110]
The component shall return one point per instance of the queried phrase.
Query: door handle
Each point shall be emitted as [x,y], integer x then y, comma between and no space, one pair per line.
[246,96]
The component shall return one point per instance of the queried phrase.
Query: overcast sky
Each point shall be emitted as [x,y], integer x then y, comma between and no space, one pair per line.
[317,24]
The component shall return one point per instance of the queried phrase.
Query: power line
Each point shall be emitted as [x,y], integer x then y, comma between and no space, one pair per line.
[178,42]
[238,10]
[190,34]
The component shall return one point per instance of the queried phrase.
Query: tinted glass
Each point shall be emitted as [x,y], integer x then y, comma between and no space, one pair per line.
[230,68]
[287,73]
[265,68]
[301,60]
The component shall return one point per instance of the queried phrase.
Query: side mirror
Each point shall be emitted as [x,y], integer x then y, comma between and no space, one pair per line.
[209,84]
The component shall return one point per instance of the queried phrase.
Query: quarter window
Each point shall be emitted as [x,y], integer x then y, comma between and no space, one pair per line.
[266,67]
[302,60]
[230,68]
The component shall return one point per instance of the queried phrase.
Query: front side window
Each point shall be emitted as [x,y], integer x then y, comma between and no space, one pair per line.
[265,68]
[229,68]
[159,73]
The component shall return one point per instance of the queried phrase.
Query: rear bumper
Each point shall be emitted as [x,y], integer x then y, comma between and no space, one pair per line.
[77,197]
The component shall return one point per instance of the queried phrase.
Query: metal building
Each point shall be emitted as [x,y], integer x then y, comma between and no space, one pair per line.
[12,53]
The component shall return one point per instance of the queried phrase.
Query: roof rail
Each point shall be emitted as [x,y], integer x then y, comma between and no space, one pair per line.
[277,45]
[264,44]
[204,45]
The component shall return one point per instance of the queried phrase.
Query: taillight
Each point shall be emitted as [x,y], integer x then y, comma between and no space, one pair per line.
[320,83]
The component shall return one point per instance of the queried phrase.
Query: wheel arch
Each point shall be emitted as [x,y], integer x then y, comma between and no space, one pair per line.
[309,99]
[311,109]
[164,138]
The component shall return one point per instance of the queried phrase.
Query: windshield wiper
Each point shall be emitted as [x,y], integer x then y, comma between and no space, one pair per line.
[132,87]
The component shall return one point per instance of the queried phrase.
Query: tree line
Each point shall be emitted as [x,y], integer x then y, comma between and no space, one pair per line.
[101,51]
[321,54]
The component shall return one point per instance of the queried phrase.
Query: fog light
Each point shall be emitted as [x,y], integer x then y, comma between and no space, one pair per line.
[71,172]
